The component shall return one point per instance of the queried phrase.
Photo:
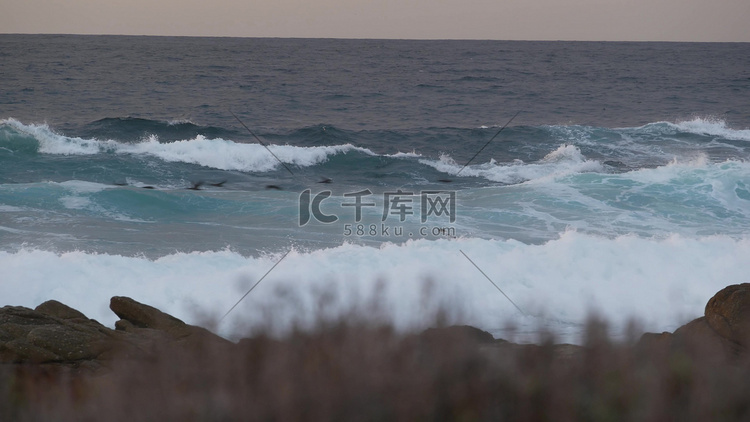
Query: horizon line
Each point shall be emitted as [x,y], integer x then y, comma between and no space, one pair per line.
[365,38]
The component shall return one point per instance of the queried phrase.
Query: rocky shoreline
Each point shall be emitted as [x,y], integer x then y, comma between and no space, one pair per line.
[53,357]
[56,334]
[723,332]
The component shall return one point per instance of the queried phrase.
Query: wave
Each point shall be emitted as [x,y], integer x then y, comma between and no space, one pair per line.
[524,154]
[663,282]
[227,155]
[565,160]
[215,153]
[711,127]
[133,129]
[690,198]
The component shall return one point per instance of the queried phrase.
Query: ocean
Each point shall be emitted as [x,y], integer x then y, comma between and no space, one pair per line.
[516,186]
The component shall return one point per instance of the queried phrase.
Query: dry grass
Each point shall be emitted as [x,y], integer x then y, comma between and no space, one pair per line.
[357,371]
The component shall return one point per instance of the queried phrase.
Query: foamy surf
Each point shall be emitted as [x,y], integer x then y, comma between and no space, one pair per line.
[661,282]
[712,127]
[565,160]
[215,153]
[228,155]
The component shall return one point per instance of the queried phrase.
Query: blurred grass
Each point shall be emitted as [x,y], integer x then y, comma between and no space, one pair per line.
[353,370]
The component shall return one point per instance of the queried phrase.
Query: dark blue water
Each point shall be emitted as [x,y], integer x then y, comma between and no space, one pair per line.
[280,85]
[623,178]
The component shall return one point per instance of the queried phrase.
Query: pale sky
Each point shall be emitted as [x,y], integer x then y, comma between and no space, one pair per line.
[598,20]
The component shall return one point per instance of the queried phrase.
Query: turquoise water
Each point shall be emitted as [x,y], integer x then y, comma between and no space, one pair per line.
[622,187]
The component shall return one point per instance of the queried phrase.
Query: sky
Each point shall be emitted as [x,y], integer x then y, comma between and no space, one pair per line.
[590,20]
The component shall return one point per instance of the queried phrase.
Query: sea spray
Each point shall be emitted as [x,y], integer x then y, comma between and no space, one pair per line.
[661,282]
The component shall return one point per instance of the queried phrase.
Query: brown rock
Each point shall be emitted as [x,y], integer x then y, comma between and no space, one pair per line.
[728,313]
[13,330]
[458,333]
[21,316]
[68,342]
[59,310]
[696,338]
[137,318]
[143,316]
[57,334]
[699,337]
[38,336]
[21,351]
[655,343]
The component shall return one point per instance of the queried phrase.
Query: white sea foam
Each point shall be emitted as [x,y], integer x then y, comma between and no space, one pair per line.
[659,142]
[183,121]
[76,202]
[400,154]
[82,186]
[216,153]
[566,159]
[10,208]
[52,143]
[712,127]
[688,197]
[663,282]
[228,155]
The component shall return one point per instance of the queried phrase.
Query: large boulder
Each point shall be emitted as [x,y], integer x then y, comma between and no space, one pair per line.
[143,316]
[54,333]
[700,338]
[153,324]
[35,336]
[723,332]
[728,313]
[59,310]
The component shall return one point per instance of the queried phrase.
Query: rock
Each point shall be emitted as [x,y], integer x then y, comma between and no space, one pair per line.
[38,336]
[69,342]
[55,333]
[728,314]
[20,317]
[458,333]
[21,351]
[699,337]
[724,331]
[654,340]
[59,310]
[143,316]
[140,319]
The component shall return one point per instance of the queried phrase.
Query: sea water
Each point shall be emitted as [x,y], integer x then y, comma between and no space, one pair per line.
[621,188]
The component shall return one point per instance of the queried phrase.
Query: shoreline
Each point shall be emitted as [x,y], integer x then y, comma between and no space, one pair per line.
[55,361]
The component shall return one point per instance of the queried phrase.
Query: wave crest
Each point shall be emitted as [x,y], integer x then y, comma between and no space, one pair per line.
[565,160]
[215,153]
[712,127]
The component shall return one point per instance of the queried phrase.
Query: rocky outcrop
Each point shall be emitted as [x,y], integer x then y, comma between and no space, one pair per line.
[728,314]
[723,332]
[51,333]
[54,333]
[56,309]
[148,322]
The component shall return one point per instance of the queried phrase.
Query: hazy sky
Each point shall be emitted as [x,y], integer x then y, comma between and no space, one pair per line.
[636,20]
